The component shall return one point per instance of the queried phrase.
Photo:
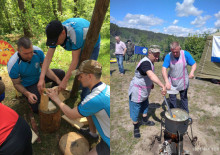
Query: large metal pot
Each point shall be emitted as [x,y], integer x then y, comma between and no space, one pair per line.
[179,123]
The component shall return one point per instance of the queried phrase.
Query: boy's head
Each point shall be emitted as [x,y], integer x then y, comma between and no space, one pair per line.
[2,91]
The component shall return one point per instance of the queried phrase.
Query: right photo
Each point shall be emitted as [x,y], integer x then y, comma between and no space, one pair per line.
[165,77]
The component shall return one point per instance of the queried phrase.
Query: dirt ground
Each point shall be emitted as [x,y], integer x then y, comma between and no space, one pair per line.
[204,109]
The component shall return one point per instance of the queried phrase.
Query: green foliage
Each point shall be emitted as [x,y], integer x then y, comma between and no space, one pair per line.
[195,45]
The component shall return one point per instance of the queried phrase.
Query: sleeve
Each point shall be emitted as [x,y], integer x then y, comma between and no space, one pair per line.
[144,67]
[89,108]
[14,73]
[123,45]
[52,46]
[41,55]
[189,59]
[166,62]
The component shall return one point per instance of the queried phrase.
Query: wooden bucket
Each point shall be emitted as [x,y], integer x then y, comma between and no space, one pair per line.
[73,143]
[50,120]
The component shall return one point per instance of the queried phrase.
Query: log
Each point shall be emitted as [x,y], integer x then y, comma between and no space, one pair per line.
[101,7]
[50,120]
[74,144]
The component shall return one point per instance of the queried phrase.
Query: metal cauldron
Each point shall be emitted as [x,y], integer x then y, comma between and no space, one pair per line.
[179,124]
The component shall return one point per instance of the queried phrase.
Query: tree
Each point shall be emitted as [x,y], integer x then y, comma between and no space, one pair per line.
[98,16]
[26,26]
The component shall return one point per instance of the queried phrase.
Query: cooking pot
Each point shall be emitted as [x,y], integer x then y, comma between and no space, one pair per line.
[179,122]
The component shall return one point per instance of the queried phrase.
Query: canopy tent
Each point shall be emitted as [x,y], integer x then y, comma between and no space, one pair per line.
[208,69]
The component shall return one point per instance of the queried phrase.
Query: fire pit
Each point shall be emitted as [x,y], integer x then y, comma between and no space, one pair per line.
[173,129]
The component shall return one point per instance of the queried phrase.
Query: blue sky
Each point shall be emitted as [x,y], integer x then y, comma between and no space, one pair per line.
[178,17]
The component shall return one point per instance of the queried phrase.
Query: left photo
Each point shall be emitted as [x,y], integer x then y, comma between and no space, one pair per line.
[55,77]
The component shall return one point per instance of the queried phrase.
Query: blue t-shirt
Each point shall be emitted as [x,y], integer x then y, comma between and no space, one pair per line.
[189,60]
[29,72]
[97,105]
[76,29]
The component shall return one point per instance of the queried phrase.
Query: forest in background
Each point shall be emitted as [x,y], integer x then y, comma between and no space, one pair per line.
[192,43]
[30,17]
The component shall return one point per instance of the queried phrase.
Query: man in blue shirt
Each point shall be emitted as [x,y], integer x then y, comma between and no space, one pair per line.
[71,35]
[96,104]
[178,78]
[24,68]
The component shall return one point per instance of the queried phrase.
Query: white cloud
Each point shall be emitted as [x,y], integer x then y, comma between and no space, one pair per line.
[112,19]
[217,23]
[187,8]
[175,21]
[139,21]
[200,21]
[184,32]
[177,30]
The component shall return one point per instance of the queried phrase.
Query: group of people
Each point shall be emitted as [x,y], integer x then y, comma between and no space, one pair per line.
[177,79]
[29,70]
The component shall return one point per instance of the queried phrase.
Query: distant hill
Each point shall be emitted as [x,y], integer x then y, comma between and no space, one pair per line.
[142,37]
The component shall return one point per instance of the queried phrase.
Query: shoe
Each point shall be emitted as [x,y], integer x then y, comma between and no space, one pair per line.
[137,133]
[148,123]
[86,133]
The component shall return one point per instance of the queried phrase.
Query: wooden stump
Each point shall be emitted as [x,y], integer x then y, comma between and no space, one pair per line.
[50,120]
[74,144]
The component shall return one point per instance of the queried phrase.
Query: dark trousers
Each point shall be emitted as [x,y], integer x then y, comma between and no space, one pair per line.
[33,88]
[18,141]
[184,100]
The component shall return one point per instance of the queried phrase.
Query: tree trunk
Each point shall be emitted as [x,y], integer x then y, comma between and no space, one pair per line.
[75,9]
[54,9]
[26,26]
[98,16]
[60,6]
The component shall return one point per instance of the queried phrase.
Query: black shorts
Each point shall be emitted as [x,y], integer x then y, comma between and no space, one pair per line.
[102,148]
[18,141]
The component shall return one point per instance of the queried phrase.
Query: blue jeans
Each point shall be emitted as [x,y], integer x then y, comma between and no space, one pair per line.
[94,56]
[120,58]
[137,108]
[184,100]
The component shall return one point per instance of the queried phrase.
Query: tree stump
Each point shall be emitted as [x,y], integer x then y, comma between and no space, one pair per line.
[74,144]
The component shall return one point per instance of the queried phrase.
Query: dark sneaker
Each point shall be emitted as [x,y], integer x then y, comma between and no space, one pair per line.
[86,133]
[137,133]
[148,123]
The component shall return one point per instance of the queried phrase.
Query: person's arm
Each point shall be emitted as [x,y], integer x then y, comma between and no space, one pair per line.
[73,65]
[50,74]
[32,98]
[70,113]
[125,49]
[156,80]
[165,77]
[191,74]
[45,66]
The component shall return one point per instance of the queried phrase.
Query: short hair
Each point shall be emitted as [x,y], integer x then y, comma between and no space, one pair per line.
[24,42]
[2,87]
[117,37]
[98,75]
[174,45]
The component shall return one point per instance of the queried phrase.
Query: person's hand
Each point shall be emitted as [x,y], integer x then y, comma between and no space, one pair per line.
[32,98]
[163,91]
[168,86]
[114,53]
[62,86]
[152,87]
[41,86]
[191,75]
[53,94]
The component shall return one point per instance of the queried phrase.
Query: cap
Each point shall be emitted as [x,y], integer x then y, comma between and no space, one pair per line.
[90,67]
[154,49]
[53,30]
